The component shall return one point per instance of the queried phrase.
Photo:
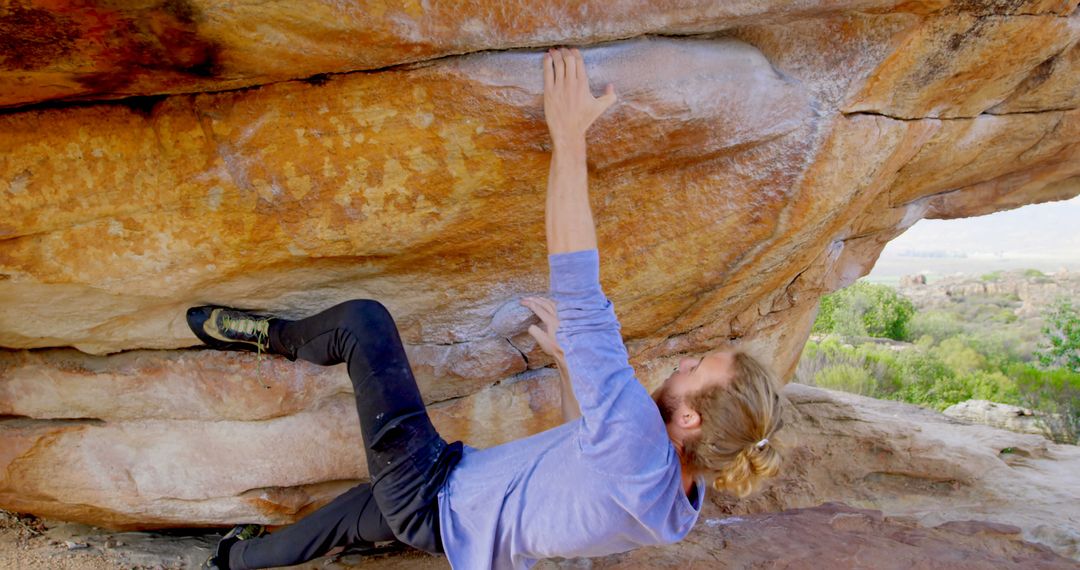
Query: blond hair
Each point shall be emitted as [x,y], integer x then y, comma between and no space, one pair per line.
[739,421]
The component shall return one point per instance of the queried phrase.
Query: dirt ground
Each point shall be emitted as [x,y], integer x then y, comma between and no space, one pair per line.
[29,543]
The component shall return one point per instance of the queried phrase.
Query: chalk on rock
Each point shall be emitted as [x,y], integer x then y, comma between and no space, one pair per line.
[513,318]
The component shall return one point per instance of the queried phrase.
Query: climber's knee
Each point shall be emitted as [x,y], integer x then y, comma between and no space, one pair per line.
[365,315]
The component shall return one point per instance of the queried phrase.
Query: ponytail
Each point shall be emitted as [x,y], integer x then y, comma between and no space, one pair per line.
[739,425]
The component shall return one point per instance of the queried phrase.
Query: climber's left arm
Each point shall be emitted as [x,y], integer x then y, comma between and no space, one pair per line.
[545,336]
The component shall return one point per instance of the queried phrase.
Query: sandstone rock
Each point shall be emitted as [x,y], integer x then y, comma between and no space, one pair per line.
[77,51]
[137,468]
[987,151]
[376,223]
[913,462]
[1055,83]
[150,441]
[741,177]
[832,535]
[838,536]
[305,263]
[961,65]
[1004,416]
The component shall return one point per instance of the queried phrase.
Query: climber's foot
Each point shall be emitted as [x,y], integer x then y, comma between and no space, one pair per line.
[219,559]
[230,329]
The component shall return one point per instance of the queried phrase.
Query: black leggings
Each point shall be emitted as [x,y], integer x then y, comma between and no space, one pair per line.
[407,459]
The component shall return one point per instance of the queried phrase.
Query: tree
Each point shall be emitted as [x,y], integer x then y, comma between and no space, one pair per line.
[1061,346]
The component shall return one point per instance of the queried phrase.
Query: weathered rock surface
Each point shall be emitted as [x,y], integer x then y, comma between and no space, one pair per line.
[828,536]
[78,50]
[160,465]
[145,439]
[837,536]
[909,461]
[743,174]
[1004,416]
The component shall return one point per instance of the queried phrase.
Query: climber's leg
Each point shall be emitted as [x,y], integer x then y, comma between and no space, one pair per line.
[351,519]
[407,459]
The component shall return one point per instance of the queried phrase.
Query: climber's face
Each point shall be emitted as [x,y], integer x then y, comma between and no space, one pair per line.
[690,377]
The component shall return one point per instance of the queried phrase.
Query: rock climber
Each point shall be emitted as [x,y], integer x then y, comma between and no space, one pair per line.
[626,469]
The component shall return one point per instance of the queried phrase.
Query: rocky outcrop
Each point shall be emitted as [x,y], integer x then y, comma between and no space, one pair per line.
[909,461]
[747,170]
[1004,416]
[1034,291]
[837,536]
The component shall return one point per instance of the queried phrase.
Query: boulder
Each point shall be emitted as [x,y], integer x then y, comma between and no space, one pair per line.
[1004,416]
[761,155]
[150,444]
[835,535]
[909,461]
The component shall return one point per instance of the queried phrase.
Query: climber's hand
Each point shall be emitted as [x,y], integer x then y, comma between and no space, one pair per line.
[569,105]
[545,337]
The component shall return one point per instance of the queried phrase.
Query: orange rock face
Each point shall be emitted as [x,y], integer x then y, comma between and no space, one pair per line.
[60,49]
[742,175]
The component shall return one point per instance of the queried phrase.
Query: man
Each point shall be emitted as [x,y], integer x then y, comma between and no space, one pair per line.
[625,470]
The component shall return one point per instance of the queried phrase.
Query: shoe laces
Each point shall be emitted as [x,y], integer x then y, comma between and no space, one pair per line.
[249,532]
[260,328]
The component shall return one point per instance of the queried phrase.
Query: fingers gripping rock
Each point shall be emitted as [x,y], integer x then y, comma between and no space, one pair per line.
[513,319]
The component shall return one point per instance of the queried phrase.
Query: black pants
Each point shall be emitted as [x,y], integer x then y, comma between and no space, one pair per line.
[407,459]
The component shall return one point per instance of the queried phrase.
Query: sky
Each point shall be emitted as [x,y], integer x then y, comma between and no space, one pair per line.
[1041,236]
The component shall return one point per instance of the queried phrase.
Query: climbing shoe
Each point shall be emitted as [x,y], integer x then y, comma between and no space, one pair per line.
[219,559]
[230,329]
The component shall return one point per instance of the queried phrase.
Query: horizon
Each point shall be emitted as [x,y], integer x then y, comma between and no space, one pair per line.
[1014,239]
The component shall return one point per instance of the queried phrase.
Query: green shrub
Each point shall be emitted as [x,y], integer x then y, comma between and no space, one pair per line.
[921,365]
[1004,317]
[974,348]
[848,378]
[884,365]
[938,325]
[1056,393]
[992,276]
[993,386]
[925,379]
[1034,273]
[1061,337]
[880,364]
[865,309]
[958,356]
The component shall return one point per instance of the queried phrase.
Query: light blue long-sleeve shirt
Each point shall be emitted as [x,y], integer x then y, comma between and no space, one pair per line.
[607,482]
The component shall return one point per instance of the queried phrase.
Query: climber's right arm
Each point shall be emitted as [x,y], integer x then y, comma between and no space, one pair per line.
[613,404]
[569,109]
